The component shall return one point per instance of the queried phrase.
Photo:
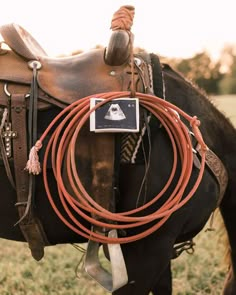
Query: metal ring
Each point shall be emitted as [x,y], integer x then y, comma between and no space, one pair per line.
[6,90]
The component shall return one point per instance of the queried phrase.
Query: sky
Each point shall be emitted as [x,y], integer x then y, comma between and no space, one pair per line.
[171,28]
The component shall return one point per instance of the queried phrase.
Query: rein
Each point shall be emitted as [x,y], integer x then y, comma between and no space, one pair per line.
[64,139]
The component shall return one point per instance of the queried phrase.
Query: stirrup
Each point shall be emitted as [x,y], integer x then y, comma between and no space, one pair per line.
[118,276]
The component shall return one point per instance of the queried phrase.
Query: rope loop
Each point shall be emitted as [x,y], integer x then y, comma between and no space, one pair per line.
[62,149]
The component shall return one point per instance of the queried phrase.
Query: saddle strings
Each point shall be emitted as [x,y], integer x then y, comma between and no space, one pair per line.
[32,134]
[123,20]
[147,160]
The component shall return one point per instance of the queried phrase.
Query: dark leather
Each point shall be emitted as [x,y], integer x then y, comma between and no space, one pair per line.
[14,69]
[68,79]
[31,226]
[77,76]
[64,79]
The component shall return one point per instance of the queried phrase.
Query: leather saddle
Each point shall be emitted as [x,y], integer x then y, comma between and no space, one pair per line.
[61,80]
[30,80]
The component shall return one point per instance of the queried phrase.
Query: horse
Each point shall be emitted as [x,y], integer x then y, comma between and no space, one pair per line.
[121,172]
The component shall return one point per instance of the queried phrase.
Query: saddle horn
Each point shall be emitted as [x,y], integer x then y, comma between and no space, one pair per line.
[119,46]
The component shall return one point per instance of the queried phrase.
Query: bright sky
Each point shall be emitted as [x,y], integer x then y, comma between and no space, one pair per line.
[172,28]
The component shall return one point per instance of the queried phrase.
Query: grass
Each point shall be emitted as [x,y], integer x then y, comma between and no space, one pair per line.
[55,274]
[226,104]
[199,274]
[204,271]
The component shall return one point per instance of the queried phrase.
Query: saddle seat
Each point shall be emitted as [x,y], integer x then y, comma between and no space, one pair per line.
[63,79]
[66,79]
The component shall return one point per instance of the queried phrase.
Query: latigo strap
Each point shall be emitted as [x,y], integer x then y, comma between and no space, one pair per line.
[29,223]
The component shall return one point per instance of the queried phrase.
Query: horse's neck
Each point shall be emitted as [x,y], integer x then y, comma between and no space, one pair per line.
[192,100]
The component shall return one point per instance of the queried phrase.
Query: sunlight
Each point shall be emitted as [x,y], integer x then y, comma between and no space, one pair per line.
[169,28]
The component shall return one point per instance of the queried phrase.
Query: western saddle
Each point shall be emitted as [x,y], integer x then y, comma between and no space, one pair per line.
[31,81]
[62,80]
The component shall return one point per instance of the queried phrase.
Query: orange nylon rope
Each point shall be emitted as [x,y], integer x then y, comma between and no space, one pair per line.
[64,139]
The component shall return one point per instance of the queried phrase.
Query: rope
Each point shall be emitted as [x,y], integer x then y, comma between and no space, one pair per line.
[123,18]
[64,139]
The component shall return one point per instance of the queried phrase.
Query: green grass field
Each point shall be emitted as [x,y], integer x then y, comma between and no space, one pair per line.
[227,104]
[197,274]
[200,273]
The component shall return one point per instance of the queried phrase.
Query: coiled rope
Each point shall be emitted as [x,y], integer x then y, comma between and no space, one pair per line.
[62,148]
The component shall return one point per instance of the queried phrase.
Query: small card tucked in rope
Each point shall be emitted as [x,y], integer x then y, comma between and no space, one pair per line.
[118,115]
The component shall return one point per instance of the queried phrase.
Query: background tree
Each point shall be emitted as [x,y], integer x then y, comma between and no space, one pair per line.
[228,59]
[201,70]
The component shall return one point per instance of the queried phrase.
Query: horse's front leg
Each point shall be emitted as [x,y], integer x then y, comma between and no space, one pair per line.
[148,265]
[164,283]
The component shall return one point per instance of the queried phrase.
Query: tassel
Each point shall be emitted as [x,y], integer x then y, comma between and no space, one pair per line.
[33,164]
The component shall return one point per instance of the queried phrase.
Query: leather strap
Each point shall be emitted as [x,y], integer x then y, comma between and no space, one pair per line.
[218,169]
[29,223]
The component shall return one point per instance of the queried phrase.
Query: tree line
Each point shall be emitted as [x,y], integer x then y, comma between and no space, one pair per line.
[214,76]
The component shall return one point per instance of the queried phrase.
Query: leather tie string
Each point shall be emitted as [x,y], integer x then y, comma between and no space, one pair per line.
[123,18]
[61,147]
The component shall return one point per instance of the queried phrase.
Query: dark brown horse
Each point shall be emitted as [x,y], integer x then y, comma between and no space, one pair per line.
[128,175]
